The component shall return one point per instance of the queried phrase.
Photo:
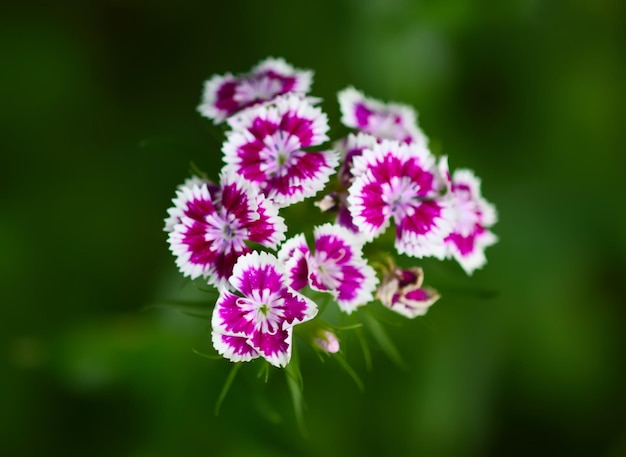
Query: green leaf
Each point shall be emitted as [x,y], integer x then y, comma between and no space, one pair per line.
[226,388]
[202,285]
[196,308]
[342,328]
[194,169]
[367,355]
[295,385]
[264,371]
[207,356]
[353,374]
[383,340]
[295,389]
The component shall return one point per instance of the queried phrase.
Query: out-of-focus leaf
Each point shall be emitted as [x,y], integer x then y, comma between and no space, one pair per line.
[384,341]
[226,388]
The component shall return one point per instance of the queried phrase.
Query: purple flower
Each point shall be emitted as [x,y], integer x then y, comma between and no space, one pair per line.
[211,227]
[401,291]
[391,121]
[259,321]
[267,147]
[472,217]
[225,95]
[336,266]
[402,182]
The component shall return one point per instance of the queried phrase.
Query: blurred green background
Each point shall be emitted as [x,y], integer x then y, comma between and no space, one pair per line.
[98,126]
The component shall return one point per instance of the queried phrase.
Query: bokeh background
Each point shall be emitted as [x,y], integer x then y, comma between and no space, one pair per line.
[98,125]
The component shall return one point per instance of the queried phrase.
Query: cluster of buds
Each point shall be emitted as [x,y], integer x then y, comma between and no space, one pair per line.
[276,153]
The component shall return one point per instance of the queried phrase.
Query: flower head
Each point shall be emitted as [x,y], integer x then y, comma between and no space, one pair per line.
[211,227]
[267,147]
[391,121]
[401,291]
[225,95]
[472,217]
[404,183]
[259,321]
[336,266]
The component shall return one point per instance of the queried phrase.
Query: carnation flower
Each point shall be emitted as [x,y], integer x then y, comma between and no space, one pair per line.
[336,266]
[225,95]
[259,321]
[212,228]
[267,147]
[472,216]
[404,183]
[391,121]
[401,291]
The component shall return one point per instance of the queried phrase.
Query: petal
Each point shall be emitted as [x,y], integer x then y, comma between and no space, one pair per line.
[422,233]
[269,230]
[413,303]
[293,80]
[471,218]
[297,308]
[369,212]
[226,95]
[258,271]
[195,256]
[231,319]
[340,267]
[349,148]
[218,98]
[469,251]
[275,348]
[293,254]
[233,348]
[238,198]
[392,121]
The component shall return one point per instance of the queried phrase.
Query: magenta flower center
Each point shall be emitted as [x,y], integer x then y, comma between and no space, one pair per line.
[279,153]
[327,268]
[252,89]
[225,232]
[264,308]
[401,196]
[386,125]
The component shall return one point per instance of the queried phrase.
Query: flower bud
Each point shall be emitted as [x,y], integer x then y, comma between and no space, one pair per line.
[327,341]
[401,291]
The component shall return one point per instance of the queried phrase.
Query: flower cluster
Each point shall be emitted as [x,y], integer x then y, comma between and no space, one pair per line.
[277,153]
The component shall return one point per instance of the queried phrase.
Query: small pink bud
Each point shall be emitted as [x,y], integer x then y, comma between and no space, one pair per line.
[327,341]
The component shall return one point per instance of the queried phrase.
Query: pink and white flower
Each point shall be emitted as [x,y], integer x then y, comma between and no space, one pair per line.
[472,217]
[267,147]
[404,183]
[336,266]
[402,291]
[225,95]
[258,322]
[391,121]
[211,226]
